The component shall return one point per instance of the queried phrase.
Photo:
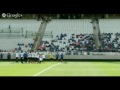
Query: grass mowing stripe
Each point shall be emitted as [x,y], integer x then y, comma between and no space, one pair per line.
[100,71]
[46,69]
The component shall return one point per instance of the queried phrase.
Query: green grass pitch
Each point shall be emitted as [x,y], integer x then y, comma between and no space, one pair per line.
[60,69]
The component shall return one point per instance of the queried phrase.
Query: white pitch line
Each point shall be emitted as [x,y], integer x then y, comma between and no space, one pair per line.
[46,69]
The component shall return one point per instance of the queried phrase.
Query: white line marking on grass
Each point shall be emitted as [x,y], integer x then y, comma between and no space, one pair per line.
[46,69]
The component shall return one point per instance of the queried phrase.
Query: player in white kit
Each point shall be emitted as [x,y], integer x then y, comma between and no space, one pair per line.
[40,58]
[16,56]
[21,56]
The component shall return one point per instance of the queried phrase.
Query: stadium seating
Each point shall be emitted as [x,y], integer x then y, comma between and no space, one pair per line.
[26,24]
[70,28]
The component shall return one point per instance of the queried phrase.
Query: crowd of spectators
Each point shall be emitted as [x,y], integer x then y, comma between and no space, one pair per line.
[109,42]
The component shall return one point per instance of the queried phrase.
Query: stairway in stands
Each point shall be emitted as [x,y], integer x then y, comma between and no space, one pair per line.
[39,35]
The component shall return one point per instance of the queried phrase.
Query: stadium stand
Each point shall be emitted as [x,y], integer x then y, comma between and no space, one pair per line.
[72,36]
[9,43]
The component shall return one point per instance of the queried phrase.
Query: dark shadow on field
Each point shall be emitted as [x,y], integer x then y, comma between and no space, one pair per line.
[64,62]
[117,62]
[74,60]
